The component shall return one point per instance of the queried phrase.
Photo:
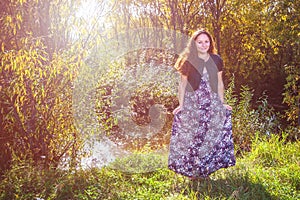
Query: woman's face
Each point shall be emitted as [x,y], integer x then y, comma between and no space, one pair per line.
[202,43]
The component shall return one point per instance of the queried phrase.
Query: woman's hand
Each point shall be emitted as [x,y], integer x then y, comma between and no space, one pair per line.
[228,107]
[177,110]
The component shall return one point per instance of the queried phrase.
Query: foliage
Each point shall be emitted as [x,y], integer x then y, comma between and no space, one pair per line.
[36,80]
[134,107]
[26,180]
[36,106]
[254,46]
[171,15]
[292,98]
[247,120]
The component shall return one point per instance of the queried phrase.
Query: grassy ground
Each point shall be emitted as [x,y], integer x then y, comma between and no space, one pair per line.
[270,171]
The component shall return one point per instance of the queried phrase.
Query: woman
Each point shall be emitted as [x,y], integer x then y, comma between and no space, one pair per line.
[201,140]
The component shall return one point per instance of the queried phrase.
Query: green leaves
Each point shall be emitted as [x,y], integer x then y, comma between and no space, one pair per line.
[291,95]
[36,105]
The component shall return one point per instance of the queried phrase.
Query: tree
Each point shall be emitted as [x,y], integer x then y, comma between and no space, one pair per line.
[37,72]
[216,8]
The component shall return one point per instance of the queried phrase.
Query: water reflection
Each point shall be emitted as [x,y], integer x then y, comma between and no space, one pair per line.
[106,153]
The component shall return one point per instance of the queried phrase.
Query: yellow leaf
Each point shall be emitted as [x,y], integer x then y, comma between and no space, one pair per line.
[9,19]
[284,17]
[15,30]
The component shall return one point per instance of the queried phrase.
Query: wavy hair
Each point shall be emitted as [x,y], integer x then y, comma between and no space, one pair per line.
[190,53]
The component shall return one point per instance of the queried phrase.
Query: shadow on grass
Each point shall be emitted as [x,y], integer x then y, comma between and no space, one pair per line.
[230,188]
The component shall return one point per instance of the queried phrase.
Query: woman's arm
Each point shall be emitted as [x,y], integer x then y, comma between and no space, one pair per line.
[221,90]
[181,92]
[181,89]
[220,87]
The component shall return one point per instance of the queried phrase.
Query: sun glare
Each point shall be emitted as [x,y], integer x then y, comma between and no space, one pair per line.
[94,8]
[87,9]
[91,15]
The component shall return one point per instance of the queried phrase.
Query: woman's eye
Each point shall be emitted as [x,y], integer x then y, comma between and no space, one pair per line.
[201,42]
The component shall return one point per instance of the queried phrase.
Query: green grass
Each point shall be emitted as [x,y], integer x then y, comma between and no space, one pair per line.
[270,171]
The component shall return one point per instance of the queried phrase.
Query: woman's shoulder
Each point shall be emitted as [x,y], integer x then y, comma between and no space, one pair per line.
[187,63]
[216,57]
[218,61]
[183,66]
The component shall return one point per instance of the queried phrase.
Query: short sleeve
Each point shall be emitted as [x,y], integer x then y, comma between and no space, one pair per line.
[218,61]
[184,68]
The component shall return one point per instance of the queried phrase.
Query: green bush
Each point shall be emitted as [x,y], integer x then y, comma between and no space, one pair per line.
[292,95]
[248,121]
[36,106]
[127,93]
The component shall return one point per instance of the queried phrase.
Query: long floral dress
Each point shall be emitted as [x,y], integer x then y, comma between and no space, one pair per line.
[201,140]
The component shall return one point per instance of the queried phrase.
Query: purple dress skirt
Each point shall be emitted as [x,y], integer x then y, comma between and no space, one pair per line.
[201,139]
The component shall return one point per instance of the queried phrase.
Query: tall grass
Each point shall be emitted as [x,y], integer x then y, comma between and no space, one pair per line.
[270,171]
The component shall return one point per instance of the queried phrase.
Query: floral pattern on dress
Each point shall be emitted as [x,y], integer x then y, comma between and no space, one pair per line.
[201,140]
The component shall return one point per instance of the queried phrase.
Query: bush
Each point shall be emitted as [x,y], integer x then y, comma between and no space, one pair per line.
[292,94]
[36,106]
[247,121]
[292,99]
[134,101]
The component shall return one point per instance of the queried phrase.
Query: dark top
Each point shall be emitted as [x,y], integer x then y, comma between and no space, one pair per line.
[193,69]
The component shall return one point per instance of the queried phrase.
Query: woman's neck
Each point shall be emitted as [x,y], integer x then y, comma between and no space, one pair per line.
[203,56]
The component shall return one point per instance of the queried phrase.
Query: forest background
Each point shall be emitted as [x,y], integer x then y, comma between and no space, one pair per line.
[54,50]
